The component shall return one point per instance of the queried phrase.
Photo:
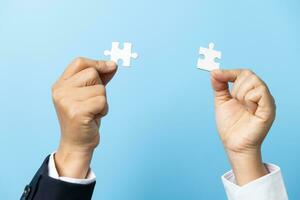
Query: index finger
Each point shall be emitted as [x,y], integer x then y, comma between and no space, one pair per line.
[81,63]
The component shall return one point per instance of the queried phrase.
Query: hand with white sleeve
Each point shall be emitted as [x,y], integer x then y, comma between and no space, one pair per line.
[244,116]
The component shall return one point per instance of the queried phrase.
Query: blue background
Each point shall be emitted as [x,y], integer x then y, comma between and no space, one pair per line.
[159,140]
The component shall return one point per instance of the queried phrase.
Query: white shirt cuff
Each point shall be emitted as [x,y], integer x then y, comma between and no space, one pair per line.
[268,187]
[91,177]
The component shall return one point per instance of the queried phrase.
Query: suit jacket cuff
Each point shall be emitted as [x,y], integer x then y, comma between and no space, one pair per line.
[91,177]
[44,187]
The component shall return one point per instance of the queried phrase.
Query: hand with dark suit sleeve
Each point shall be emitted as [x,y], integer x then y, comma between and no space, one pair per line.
[80,101]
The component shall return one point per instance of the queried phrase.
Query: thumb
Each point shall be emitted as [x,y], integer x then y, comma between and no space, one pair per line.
[220,80]
[108,70]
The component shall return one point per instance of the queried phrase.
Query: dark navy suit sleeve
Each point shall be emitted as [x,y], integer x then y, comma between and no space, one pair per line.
[43,187]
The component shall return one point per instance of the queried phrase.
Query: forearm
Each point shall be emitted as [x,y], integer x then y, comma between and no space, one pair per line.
[247,166]
[73,163]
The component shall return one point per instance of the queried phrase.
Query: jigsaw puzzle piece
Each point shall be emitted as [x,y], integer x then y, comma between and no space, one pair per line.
[210,55]
[124,54]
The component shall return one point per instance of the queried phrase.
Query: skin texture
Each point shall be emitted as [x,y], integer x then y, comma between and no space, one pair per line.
[79,98]
[244,116]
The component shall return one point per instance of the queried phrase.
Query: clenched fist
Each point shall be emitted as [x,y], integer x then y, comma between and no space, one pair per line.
[80,100]
[244,116]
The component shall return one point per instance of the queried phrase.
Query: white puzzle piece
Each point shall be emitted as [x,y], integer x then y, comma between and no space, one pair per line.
[209,63]
[124,54]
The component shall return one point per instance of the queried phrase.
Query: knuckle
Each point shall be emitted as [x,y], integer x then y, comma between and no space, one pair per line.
[247,72]
[105,112]
[101,90]
[255,78]
[55,87]
[74,112]
[102,100]
[56,94]
[105,109]
[264,89]
[86,121]
[78,61]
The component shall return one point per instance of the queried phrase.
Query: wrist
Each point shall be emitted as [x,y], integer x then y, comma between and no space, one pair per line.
[247,166]
[73,162]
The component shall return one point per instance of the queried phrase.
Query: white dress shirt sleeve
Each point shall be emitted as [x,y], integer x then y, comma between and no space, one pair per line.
[91,177]
[268,187]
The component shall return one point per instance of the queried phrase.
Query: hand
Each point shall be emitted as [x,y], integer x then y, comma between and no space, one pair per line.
[244,116]
[79,98]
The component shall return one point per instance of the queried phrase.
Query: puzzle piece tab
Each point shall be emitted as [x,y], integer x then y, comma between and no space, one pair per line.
[124,54]
[209,63]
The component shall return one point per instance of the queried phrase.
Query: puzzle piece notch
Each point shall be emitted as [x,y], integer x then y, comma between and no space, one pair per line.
[210,55]
[124,54]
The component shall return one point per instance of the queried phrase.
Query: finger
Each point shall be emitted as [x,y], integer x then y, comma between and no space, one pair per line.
[242,77]
[109,74]
[221,91]
[219,81]
[96,106]
[264,100]
[106,69]
[248,84]
[226,75]
[86,77]
[84,93]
